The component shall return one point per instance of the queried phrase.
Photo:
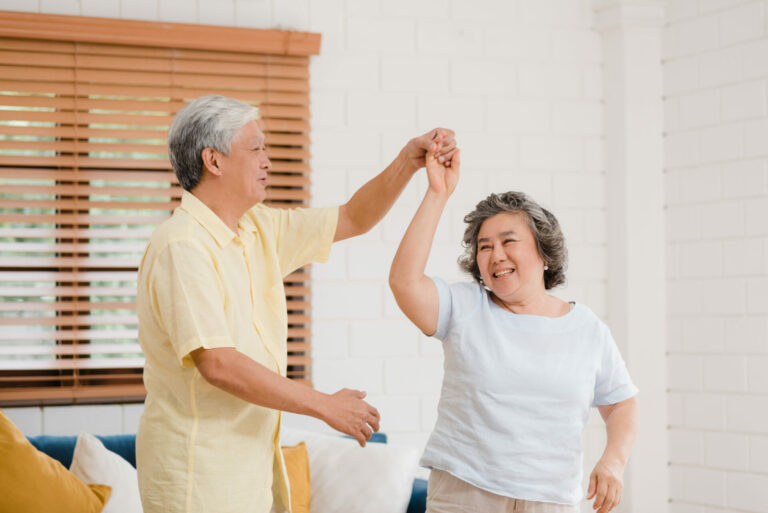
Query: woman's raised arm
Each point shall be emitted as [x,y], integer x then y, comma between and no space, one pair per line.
[415,293]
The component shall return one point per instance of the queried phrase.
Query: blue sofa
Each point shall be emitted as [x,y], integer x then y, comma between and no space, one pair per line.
[62,448]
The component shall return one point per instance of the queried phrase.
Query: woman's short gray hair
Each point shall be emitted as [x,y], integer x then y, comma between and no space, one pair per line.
[546,230]
[206,122]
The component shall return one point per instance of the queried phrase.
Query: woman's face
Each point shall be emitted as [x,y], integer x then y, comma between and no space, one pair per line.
[508,257]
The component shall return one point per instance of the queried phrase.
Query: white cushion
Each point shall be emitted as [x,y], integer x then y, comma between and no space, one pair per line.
[347,478]
[95,464]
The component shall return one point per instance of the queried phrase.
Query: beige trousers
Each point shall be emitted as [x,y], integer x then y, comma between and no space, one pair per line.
[449,494]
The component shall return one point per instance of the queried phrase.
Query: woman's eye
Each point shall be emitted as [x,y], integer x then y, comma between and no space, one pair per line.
[483,248]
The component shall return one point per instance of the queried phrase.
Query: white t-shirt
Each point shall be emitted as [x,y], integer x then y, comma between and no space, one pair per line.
[516,394]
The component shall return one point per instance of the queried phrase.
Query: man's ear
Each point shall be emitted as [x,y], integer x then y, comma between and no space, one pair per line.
[211,161]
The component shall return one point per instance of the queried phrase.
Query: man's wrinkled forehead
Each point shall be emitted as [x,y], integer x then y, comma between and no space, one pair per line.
[252,135]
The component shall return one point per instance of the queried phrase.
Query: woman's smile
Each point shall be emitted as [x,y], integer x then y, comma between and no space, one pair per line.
[503,272]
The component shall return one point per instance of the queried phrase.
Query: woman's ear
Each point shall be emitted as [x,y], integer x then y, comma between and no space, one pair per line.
[211,161]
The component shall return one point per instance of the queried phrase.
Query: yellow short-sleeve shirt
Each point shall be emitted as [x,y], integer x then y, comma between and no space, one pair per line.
[198,448]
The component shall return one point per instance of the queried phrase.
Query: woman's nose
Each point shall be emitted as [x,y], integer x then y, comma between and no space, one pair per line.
[498,254]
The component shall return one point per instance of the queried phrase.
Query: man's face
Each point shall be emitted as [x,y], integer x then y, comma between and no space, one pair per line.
[245,168]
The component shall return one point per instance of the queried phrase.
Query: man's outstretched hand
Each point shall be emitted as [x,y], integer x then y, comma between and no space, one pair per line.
[346,411]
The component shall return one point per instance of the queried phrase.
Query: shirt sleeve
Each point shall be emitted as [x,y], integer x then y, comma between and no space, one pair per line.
[445,307]
[303,235]
[189,300]
[613,383]
[456,303]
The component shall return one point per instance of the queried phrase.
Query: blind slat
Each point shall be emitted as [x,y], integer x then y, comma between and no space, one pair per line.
[82,90]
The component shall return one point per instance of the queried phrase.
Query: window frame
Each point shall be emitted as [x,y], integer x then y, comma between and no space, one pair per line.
[273,52]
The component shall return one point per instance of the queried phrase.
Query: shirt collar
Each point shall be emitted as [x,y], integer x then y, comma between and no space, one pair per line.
[221,233]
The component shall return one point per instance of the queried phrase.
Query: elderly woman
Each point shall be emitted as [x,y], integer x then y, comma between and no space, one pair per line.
[522,367]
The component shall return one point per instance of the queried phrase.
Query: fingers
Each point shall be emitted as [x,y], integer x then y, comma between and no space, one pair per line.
[592,486]
[441,137]
[364,433]
[444,144]
[443,133]
[447,146]
[447,158]
[610,500]
[455,160]
[602,489]
[373,418]
[439,142]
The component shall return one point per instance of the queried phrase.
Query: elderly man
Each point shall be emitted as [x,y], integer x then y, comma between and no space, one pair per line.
[213,320]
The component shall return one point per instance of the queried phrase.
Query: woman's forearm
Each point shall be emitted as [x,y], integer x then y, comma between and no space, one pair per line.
[621,430]
[414,291]
[410,261]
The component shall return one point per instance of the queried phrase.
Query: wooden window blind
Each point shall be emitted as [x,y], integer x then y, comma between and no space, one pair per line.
[85,104]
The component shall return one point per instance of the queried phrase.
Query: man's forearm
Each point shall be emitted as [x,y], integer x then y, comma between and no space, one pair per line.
[237,374]
[373,200]
[243,377]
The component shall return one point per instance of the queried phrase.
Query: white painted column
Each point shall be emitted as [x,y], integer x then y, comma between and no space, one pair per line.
[631,33]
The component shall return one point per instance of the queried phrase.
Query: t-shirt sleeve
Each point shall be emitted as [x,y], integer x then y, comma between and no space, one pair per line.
[444,308]
[189,300]
[303,235]
[613,383]
[455,302]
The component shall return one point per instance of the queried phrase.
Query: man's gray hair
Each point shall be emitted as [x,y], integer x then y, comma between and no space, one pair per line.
[206,122]
[546,230]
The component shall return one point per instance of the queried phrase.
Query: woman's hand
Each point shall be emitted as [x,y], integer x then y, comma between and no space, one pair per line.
[606,484]
[443,178]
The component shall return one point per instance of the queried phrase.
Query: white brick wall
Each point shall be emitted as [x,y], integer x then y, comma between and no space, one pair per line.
[716,71]
[520,82]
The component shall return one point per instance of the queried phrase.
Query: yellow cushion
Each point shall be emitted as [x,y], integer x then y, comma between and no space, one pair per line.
[32,482]
[297,466]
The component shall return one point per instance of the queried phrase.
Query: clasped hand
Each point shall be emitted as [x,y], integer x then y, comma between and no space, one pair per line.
[438,152]
[440,142]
